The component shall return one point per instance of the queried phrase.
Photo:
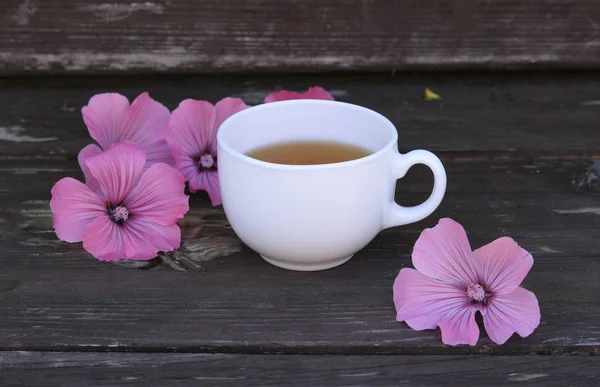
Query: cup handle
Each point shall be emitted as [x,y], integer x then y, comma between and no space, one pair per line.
[397,215]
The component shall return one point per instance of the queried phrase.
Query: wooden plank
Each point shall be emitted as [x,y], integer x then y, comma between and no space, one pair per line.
[160,369]
[56,297]
[94,36]
[506,116]
[465,176]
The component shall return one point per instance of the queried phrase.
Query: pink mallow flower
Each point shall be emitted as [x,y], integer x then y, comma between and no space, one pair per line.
[131,216]
[193,139]
[453,283]
[110,119]
[314,92]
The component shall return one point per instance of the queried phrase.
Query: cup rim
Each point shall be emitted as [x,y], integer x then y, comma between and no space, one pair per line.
[273,105]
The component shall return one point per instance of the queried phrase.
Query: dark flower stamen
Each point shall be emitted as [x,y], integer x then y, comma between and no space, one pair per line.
[478,293]
[119,214]
[206,161]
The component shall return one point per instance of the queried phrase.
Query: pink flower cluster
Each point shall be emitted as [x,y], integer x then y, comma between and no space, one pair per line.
[134,191]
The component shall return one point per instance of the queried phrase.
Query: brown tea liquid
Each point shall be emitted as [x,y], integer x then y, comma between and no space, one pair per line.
[308,152]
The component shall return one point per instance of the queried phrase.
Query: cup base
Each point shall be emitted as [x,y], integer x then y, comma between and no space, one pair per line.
[306,266]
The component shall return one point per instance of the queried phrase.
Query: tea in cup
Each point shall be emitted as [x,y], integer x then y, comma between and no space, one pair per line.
[308,183]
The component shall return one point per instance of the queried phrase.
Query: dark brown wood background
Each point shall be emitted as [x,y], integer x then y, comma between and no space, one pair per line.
[125,36]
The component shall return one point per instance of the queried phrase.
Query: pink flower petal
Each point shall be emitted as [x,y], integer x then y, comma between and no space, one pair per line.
[143,240]
[443,252]
[503,265]
[185,163]
[509,313]
[117,170]
[224,109]
[75,207]
[87,152]
[192,127]
[209,182]
[104,240]
[104,116]
[145,121]
[423,302]
[460,327]
[312,93]
[159,152]
[159,196]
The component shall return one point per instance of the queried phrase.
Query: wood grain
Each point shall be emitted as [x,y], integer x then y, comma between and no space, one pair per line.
[95,36]
[506,116]
[142,369]
[54,296]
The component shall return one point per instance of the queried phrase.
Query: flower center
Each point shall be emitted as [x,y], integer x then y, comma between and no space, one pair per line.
[206,161]
[119,214]
[478,293]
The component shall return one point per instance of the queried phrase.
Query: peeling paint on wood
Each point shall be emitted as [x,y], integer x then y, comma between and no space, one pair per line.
[546,249]
[37,213]
[39,242]
[591,103]
[15,134]
[585,210]
[589,180]
[24,12]
[523,377]
[208,248]
[110,12]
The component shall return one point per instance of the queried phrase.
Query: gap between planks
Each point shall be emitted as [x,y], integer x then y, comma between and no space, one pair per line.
[276,349]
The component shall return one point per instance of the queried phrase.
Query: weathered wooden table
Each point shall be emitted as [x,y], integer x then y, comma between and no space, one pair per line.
[517,149]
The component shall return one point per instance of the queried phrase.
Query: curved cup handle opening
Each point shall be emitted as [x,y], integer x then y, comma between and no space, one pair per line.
[398,215]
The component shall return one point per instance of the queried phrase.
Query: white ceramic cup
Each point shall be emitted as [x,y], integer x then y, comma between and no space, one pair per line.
[315,217]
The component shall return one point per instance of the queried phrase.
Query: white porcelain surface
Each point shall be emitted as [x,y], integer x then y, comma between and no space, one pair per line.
[316,217]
